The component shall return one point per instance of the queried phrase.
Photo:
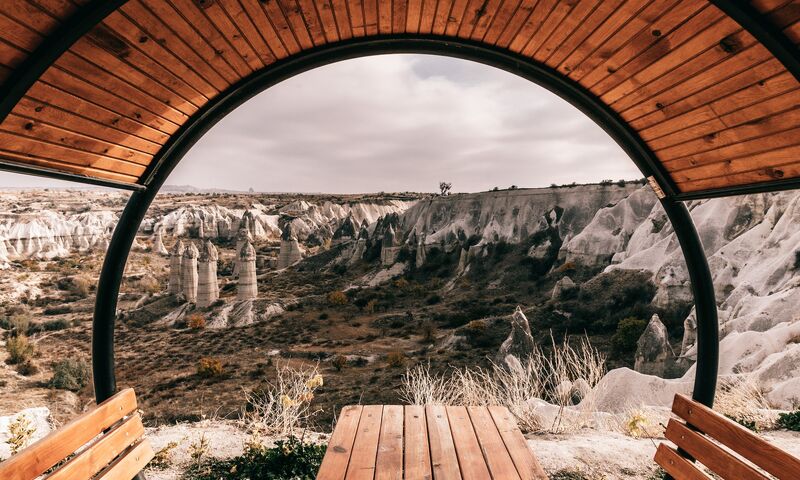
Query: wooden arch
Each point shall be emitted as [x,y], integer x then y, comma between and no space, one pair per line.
[93,89]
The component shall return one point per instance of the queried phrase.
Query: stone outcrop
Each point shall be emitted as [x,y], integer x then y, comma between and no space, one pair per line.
[519,344]
[563,286]
[175,268]
[189,279]
[247,288]
[290,252]
[421,253]
[346,231]
[207,287]
[242,237]
[158,244]
[389,249]
[654,355]
[360,246]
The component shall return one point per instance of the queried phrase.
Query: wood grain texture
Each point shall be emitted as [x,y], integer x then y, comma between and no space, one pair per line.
[697,88]
[340,445]
[676,465]
[365,446]
[58,445]
[417,453]
[389,462]
[739,439]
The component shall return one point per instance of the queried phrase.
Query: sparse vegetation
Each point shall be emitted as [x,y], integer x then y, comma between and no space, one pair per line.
[70,374]
[628,332]
[396,359]
[789,421]
[20,433]
[163,457]
[284,405]
[209,367]
[337,298]
[20,349]
[743,401]
[196,321]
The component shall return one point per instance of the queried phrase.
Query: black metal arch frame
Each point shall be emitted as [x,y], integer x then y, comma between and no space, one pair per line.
[209,115]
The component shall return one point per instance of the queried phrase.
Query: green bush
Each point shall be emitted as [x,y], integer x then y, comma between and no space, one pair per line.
[290,459]
[789,421]
[20,350]
[70,374]
[628,332]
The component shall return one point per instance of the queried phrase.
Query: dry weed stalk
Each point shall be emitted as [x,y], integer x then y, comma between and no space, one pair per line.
[554,377]
[742,400]
[284,404]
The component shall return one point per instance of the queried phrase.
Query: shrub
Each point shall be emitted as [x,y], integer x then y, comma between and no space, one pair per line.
[20,323]
[396,359]
[20,349]
[337,298]
[284,404]
[55,325]
[196,321]
[428,331]
[339,362]
[628,332]
[27,369]
[209,367]
[199,449]
[789,421]
[163,457]
[70,374]
[433,299]
[743,401]
[20,432]
[289,459]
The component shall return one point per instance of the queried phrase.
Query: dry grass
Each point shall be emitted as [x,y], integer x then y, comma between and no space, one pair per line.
[743,400]
[562,378]
[285,405]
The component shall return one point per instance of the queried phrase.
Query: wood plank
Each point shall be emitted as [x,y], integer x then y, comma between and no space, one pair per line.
[470,457]
[235,35]
[413,15]
[558,25]
[340,445]
[384,17]
[370,11]
[342,19]
[99,454]
[768,162]
[417,454]
[58,445]
[709,453]
[527,465]
[13,157]
[389,463]
[676,465]
[310,16]
[518,19]
[251,33]
[356,11]
[501,21]
[365,446]
[582,33]
[428,15]
[759,175]
[268,31]
[739,439]
[275,14]
[128,465]
[500,464]
[532,24]
[444,460]
[612,70]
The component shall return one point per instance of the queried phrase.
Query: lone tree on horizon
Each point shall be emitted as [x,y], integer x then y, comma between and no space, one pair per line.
[444,188]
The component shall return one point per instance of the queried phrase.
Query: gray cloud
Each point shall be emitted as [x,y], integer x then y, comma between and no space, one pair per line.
[402,122]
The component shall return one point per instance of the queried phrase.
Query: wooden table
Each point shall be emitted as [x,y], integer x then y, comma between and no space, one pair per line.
[381,442]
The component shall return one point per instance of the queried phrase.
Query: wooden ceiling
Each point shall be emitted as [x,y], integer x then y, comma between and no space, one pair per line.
[711,101]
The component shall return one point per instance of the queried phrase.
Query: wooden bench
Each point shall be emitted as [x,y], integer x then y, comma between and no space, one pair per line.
[104,443]
[435,442]
[711,439]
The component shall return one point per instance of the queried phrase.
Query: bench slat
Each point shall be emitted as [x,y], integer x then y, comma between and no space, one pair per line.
[389,464]
[129,464]
[739,439]
[710,454]
[676,465]
[443,451]
[417,455]
[365,447]
[58,445]
[468,450]
[340,446]
[527,465]
[494,450]
[99,454]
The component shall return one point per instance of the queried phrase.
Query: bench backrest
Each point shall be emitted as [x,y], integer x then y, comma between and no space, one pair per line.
[106,442]
[720,444]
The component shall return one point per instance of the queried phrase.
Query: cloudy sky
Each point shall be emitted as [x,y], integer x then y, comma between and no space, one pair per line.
[396,123]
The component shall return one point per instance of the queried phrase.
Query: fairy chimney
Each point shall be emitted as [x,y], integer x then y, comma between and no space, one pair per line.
[290,248]
[189,273]
[175,265]
[207,287]
[247,289]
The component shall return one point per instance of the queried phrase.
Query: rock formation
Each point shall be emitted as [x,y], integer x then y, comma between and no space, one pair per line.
[290,252]
[207,287]
[346,231]
[562,287]
[654,356]
[463,259]
[389,250]
[176,268]
[189,280]
[247,288]
[242,237]
[519,344]
[421,253]
[158,244]
[360,246]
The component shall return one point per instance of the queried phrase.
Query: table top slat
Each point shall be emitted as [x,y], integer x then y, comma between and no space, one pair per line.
[494,449]
[365,447]
[417,459]
[527,465]
[340,446]
[389,464]
[470,457]
[444,460]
